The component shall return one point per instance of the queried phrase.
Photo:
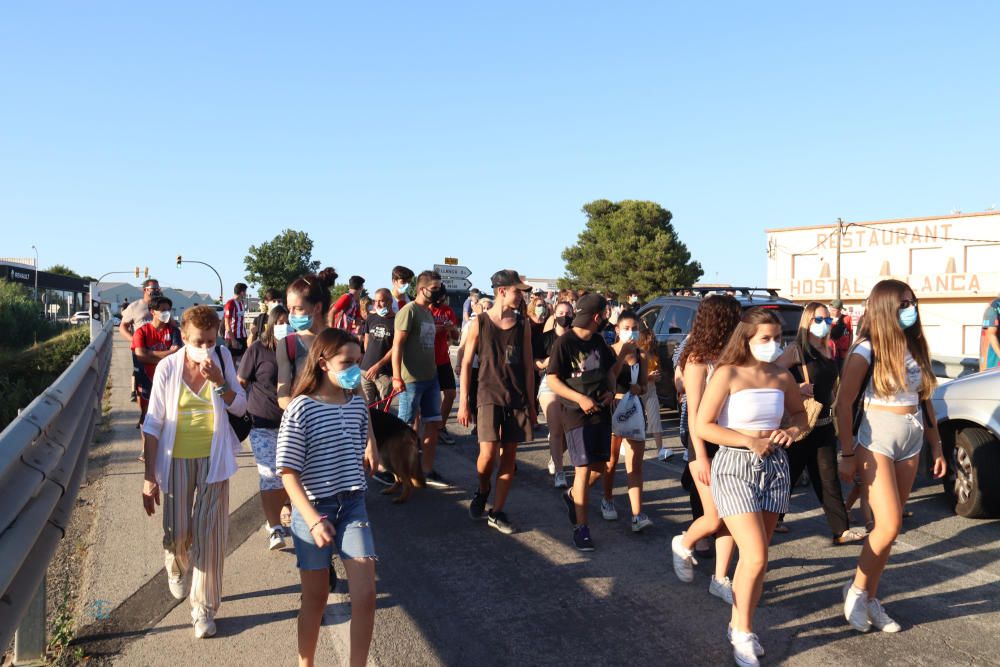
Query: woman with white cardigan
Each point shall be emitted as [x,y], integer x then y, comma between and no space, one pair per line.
[190,454]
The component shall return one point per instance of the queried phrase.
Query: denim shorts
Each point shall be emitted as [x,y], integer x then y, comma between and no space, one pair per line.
[426,396]
[898,437]
[347,513]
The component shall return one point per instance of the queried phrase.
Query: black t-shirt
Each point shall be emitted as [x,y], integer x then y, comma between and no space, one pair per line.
[259,367]
[537,340]
[822,373]
[379,330]
[583,365]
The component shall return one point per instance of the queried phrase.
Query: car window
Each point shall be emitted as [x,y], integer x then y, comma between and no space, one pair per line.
[649,317]
[677,318]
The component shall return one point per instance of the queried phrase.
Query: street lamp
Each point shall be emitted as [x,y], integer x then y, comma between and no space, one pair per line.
[181,261]
[36,272]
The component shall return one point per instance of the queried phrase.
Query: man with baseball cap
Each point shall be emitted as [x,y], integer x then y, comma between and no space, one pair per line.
[582,371]
[841,332]
[505,410]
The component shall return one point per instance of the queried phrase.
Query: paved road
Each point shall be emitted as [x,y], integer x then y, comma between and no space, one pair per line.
[454,592]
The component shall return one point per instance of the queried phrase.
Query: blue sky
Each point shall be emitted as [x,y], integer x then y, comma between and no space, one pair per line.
[404,132]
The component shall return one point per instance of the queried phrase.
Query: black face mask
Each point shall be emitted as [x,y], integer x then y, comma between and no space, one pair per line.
[565,321]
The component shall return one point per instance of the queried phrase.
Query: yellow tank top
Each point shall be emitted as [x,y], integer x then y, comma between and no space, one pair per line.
[195,423]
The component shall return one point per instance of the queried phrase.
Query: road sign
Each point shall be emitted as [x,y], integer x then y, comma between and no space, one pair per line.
[446,271]
[451,261]
[456,284]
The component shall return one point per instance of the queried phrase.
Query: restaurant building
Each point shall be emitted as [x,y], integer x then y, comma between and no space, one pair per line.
[952,262]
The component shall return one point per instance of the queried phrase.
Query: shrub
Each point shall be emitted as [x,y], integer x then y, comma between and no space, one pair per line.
[21,320]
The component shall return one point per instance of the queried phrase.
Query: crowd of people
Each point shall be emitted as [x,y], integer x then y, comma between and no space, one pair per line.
[299,378]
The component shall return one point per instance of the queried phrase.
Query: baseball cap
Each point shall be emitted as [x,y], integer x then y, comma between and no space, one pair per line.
[508,278]
[586,307]
[837,303]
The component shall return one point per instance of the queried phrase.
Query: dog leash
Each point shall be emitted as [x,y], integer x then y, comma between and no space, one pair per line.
[387,401]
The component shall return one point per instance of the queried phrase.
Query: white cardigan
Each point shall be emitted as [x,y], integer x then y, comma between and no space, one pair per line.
[161,418]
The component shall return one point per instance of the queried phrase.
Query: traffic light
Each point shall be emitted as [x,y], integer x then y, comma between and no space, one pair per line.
[137,272]
[179,260]
[145,272]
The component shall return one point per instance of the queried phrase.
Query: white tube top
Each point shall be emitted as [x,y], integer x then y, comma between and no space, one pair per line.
[753,410]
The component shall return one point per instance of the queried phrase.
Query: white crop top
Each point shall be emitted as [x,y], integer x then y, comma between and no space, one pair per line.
[910,395]
[753,410]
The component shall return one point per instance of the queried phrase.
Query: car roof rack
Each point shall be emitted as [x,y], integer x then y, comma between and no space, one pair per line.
[747,292]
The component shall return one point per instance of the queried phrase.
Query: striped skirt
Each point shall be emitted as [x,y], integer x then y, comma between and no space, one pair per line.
[743,482]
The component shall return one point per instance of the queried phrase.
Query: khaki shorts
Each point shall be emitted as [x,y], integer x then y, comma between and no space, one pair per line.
[496,423]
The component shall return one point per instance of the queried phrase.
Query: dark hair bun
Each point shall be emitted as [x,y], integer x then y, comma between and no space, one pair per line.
[328,276]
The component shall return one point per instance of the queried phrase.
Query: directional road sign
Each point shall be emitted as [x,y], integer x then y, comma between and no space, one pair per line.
[452,271]
[456,284]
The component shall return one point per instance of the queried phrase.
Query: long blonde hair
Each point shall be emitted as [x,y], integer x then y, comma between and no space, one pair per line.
[806,321]
[890,341]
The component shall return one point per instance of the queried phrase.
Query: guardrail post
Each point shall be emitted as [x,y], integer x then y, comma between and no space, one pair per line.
[29,640]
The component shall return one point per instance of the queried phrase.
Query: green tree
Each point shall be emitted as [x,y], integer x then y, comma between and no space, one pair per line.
[628,245]
[278,262]
[63,270]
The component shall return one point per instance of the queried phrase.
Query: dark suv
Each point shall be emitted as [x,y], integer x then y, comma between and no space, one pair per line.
[671,316]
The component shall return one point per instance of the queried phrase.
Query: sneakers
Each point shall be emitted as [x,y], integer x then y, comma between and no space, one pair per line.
[879,619]
[276,539]
[499,521]
[722,589]
[570,506]
[640,522]
[178,587]
[684,561]
[435,480]
[758,648]
[581,538]
[856,608]
[204,626]
[477,507]
[608,510]
[848,536]
[552,466]
[745,645]
[664,454]
[559,481]
[132,397]
[384,477]
[446,437]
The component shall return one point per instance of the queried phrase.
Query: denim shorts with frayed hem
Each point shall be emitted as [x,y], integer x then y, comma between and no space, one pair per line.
[347,513]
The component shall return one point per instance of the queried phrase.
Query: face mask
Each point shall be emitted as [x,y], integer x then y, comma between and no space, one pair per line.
[300,322]
[629,335]
[819,330]
[381,312]
[633,299]
[164,316]
[540,310]
[280,331]
[349,378]
[196,354]
[766,352]
[908,317]
[565,321]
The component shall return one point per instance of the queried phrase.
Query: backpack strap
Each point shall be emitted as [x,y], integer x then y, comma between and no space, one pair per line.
[291,349]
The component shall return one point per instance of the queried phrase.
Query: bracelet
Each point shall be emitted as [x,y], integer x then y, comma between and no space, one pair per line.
[321,519]
[221,389]
[394,379]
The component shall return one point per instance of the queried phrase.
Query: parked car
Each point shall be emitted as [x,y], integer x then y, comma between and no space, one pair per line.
[80,317]
[968,413]
[670,317]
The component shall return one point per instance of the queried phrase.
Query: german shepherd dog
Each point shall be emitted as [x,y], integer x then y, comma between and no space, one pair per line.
[398,451]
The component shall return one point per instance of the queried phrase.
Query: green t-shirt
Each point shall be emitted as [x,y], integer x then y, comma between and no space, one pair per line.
[418,350]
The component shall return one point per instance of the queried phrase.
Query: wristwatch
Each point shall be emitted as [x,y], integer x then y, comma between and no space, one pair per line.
[221,389]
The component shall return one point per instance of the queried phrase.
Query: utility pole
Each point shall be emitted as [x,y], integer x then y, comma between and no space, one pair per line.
[36,273]
[840,237]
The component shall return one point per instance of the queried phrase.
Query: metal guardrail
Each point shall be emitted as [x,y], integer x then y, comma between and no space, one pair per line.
[43,458]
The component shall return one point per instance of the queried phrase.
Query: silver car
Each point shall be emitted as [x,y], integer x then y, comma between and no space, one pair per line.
[968,412]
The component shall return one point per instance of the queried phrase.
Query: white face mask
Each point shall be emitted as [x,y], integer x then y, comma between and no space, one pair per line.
[539,310]
[196,354]
[164,316]
[766,352]
[820,329]
[280,331]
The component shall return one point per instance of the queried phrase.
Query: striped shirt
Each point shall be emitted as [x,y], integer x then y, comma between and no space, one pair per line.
[325,444]
[236,312]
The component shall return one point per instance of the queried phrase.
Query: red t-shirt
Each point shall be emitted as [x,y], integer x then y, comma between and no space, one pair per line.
[155,340]
[442,315]
[349,316]
[842,344]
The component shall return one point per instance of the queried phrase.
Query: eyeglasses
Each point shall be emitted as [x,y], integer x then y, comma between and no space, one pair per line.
[906,303]
[820,320]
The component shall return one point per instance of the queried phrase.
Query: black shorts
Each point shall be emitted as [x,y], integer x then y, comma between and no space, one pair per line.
[446,377]
[589,444]
[496,423]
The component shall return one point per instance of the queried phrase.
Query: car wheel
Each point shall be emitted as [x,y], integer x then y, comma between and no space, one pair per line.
[976,461]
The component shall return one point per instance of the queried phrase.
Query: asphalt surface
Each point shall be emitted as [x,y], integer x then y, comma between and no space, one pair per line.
[452,591]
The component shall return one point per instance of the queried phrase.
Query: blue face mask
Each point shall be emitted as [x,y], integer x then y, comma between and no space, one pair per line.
[908,317]
[382,312]
[629,336]
[349,378]
[300,322]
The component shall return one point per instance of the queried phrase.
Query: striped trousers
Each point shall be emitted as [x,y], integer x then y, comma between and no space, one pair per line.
[195,529]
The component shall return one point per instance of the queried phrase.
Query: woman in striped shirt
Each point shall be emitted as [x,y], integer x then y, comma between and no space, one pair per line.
[741,411]
[325,447]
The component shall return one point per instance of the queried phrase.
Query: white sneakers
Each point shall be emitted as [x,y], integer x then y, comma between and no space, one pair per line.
[758,648]
[640,522]
[722,589]
[608,510]
[664,454]
[684,560]
[560,480]
[879,619]
[745,645]
[204,625]
[864,613]
[552,466]
[178,587]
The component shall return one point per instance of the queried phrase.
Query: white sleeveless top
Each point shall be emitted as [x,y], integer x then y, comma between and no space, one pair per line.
[753,410]
[909,395]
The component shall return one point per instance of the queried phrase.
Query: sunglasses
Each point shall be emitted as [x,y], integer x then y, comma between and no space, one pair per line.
[906,303]
[820,320]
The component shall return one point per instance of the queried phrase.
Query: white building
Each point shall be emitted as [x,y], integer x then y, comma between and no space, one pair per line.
[116,294]
[952,263]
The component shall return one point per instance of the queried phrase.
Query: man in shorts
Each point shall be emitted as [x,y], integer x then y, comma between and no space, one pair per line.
[582,372]
[134,316]
[505,394]
[989,348]
[414,372]
[446,333]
